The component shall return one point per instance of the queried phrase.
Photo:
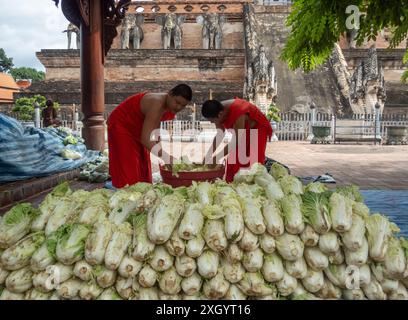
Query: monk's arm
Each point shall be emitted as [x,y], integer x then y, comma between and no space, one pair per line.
[216,142]
[151,123]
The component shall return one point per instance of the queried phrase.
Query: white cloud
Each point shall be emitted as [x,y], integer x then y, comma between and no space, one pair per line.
[30,26]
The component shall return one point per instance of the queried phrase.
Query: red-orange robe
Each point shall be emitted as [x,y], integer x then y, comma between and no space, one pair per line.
[238,108]
[129,160]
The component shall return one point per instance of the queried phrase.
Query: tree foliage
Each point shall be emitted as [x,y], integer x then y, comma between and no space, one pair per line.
[6,63]
[25,106]
[317,25]
[27,73]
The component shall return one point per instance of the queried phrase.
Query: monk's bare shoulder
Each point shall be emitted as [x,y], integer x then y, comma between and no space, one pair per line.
[152,103]
[227,103]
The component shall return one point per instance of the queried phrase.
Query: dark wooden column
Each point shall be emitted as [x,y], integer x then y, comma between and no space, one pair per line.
[92,77]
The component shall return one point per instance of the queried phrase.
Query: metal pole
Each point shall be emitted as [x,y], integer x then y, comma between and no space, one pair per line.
[377,123]
[37,117]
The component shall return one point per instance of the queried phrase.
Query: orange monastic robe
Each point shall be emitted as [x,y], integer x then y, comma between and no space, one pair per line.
[255,153]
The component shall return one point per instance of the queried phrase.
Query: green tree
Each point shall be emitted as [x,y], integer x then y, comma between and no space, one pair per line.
[24,107]
[317,25]
[27,73]
[272,114]
[6,63]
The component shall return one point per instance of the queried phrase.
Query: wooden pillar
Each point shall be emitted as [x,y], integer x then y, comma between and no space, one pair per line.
[92,78]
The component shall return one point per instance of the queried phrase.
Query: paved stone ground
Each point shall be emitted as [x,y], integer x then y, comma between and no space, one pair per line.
[368,166]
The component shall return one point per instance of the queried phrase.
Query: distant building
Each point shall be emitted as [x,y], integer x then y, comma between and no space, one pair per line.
[23,83]
[7,87]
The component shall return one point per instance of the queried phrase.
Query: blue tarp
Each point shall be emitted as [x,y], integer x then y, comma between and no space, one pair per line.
[27,152]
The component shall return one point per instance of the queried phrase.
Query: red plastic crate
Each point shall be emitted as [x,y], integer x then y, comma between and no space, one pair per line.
[186,178]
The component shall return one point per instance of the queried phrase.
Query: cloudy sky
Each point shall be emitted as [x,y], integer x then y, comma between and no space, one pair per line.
[28,26]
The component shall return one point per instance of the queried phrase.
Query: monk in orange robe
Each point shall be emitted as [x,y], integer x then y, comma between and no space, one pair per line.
[250,128]
[130,127]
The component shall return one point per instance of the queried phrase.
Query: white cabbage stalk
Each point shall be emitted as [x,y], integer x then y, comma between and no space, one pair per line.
[41,259]
[341,212]
[3,275]
[66,211]
[16,224]
[287,285]
[395,260]
[70,246]
[208,264]
[252,214]
[361,209]
[329,291]
[192,285]
[122,204]
[316,187]
[378,270]
[105,277]
[234,293]
[353,239]
[59,273]
[185,266]
[244,176]
[129,267]
[163,296]
[314,281]
[253,260]
[272,269]
[309,236]
[97,241]
[337,258]
[374,291]
[299,290]
[337,275]
[90,290]
[124,287]
[19,254]
[161,260]
[118,245]
[83,270]
[217,287]
[48,205]
[142,246]
[249,241]
[290,247]
[273,218]
[365,275]
[353,294]
[378,233]
[400,294]
[34,294]
[170,281]
[233,220]
[175,245]
[109,294]
[20,281]
[162,220]
[267,243]
[148,294]
[233,272]
[291,185]
[149,199]
[253,284]
[192,222]
[195,246]
[205,193]
[95,208]
[273,190]
[44,282]
[389,285]
[329,243]
[234,253]
[7,295]
[292,214]
[214,236]
[297,269]
[316,259]
[359,257]
[69,289]
[147,277]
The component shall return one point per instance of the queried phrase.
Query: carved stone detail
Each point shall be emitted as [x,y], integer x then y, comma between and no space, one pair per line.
[70,30]
[172,32]
[132,32]
[212,29]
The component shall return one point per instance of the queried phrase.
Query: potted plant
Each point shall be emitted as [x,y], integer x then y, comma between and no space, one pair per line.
[272,114]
